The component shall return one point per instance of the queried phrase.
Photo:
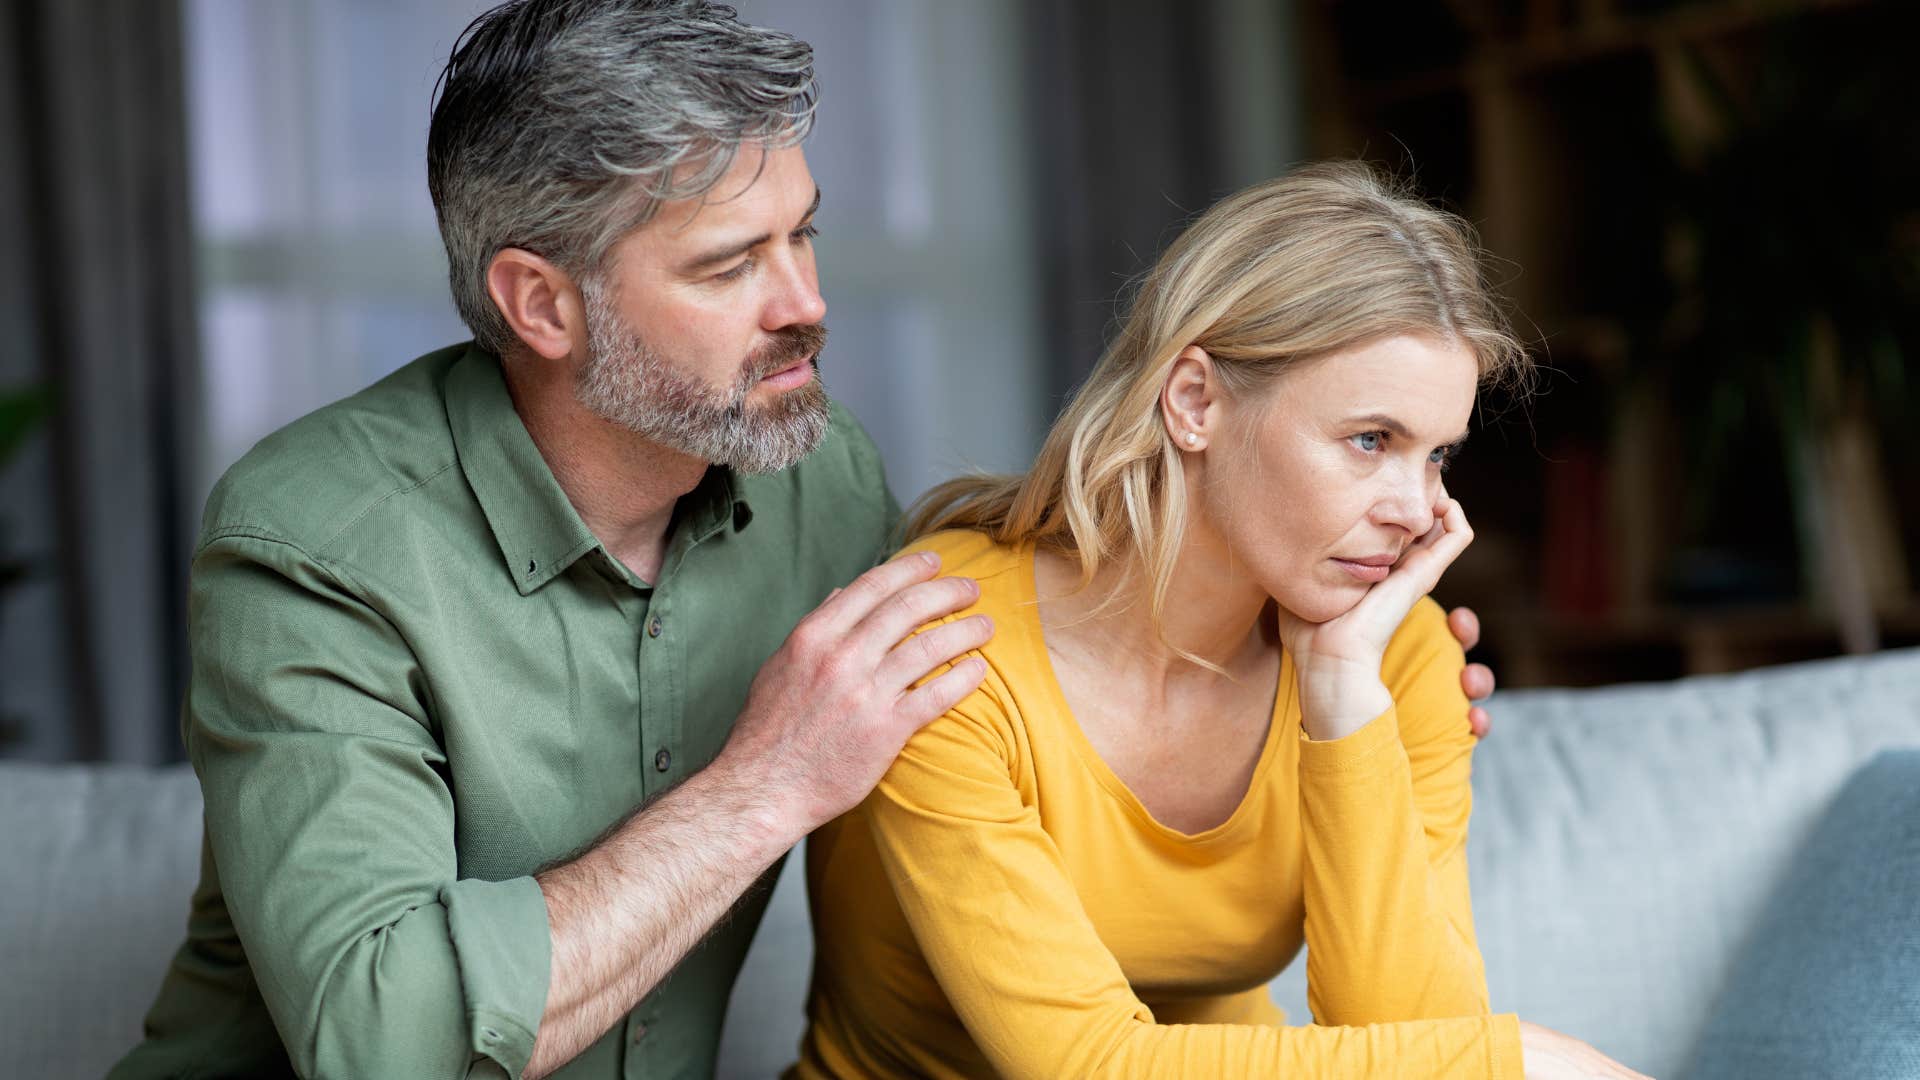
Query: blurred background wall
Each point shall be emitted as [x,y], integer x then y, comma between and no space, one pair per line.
[213,218]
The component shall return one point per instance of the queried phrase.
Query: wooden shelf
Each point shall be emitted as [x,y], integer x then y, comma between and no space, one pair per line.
[1563,129]
[1550,46]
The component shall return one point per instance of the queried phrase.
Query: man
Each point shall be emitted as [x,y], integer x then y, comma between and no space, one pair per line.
[494,699]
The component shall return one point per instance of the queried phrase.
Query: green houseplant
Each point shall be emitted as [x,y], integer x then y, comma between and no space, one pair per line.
[21,412]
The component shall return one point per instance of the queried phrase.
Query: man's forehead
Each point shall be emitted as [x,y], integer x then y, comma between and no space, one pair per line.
[758,182]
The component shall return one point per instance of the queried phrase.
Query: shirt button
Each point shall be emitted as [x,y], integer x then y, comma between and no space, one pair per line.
[663,760]
[653,626]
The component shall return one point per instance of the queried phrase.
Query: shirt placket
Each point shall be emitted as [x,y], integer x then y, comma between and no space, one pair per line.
[662,696]
[661,667]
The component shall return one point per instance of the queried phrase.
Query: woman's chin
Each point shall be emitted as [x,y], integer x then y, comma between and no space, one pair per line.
[1321,604]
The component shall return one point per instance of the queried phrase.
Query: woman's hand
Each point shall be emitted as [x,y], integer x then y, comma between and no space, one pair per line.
[1339,660]
[1549,1055]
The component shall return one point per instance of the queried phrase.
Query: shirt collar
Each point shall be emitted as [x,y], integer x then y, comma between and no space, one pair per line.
[538,530]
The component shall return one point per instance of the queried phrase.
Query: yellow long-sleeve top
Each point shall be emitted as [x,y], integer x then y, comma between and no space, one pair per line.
[1003,905]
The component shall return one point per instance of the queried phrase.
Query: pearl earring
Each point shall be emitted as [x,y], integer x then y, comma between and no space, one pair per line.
[1192,438]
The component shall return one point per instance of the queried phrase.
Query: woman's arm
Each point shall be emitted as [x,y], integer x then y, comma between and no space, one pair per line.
[1000,924]
[1384,810]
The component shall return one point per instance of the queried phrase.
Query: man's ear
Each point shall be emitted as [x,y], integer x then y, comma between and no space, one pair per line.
[1189,399]
[539,301]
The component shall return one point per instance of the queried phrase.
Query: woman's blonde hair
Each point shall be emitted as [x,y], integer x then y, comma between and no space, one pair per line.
[1327,257]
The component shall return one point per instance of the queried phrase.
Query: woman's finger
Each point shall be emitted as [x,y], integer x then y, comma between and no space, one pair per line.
[1385,606]
[1420,569]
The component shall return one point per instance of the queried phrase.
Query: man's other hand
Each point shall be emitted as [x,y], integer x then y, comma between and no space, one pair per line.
[1475,679]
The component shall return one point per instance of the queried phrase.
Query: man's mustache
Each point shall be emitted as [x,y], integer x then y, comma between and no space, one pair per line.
[789,343]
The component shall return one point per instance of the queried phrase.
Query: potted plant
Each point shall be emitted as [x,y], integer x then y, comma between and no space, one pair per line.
[21,411]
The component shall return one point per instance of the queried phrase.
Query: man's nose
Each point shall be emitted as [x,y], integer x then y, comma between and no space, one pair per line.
[796,299]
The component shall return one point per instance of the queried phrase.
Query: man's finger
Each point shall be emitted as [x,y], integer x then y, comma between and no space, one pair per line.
[922,704]
[912,659]
[1466,627]
[841,611]
[908,610]
[1477,680]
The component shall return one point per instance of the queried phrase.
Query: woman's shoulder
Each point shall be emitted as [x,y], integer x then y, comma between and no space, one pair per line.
[991,713]
[1003,570]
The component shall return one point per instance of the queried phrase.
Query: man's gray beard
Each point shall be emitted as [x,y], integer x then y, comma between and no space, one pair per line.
[628,383]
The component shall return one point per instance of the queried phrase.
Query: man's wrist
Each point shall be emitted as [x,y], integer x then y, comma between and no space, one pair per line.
[768,821]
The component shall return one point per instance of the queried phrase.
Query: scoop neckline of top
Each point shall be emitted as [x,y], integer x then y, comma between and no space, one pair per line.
[1090,756]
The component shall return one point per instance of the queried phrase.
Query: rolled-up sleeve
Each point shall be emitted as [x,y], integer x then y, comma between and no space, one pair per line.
[331,823]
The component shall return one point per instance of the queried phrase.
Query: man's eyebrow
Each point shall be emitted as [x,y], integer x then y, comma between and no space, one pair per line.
[1399,430]
[740,247]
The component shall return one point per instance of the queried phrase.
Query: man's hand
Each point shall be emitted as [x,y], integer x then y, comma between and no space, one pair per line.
[1475,679]
[830,711]
[825,717]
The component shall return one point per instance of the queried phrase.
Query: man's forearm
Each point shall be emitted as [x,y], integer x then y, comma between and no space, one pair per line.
[623,914]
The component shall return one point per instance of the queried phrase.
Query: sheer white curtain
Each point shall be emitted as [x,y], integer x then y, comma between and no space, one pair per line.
[319,262]
[321,268]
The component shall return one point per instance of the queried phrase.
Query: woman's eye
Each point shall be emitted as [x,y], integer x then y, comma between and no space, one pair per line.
[1441,457]
[806,232]
[1369,441]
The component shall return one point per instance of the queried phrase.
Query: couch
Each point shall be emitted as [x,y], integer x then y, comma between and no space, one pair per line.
[1623,842]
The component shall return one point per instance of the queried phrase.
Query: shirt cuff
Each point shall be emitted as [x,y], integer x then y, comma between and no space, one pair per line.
[1506,1061]
[504,947]
[1353,752]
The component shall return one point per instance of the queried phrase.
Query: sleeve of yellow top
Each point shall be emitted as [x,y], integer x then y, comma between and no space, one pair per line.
[329,818]
[1384,811]
[1003,930]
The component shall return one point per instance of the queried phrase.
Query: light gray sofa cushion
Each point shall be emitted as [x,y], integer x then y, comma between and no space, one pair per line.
[1624,839]
[99,864]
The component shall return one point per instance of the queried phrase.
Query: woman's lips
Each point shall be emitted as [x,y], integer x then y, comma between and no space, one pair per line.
[793,376]
[1364,572]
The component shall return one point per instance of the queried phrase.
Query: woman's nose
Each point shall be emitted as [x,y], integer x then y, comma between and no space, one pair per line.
[1407,504]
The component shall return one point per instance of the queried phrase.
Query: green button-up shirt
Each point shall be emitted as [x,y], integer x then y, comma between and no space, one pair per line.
[417,679]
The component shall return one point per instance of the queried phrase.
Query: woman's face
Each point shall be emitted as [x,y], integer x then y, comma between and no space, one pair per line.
[1316,489]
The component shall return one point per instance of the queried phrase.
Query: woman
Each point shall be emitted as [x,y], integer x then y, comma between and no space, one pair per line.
[1221,719]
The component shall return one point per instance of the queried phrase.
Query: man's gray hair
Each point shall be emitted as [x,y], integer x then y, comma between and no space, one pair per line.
[560,126]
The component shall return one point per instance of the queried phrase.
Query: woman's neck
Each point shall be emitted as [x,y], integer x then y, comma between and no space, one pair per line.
[1211,611]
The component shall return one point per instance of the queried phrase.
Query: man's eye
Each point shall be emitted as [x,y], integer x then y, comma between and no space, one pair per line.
[738,272]
[1369,441]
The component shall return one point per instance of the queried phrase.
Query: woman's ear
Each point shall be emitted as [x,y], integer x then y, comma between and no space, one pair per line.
[1189,401]
[539,301]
